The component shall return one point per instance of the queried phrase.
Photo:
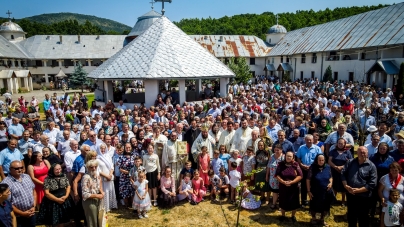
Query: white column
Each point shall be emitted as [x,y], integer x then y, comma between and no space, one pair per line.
[46,79]
[5,62]
[223,86]
[388,81]
[13,63]
[181,91]
[45,63]
[19,63]
[89,62]
[152,90]
[31,88]
[10,83]
[60,63]
[109,93]
[373,77]
[16,84]
[381,54]
[74,62]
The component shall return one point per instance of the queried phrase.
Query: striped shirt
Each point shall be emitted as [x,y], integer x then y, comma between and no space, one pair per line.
[22,195]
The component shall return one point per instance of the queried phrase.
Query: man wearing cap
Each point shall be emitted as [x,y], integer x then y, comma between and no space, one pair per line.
[382,133]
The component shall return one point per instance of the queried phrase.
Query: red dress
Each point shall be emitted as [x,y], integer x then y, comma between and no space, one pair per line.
[40,173]
[204,163]
[198,187]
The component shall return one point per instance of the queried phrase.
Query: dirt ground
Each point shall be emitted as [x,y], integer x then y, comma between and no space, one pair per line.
[216,214]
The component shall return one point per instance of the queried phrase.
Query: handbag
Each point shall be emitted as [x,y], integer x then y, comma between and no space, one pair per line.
[102,215]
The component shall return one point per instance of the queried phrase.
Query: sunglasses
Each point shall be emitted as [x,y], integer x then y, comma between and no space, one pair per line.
[93,167]
[18,168]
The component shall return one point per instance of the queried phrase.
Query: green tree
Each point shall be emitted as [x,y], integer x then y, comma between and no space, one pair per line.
[400,81]
[240,67]
[79,77]
[328,75]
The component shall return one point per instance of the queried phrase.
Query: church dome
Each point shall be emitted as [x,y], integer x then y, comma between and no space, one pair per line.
[143,23]
[277,29]
[10,26]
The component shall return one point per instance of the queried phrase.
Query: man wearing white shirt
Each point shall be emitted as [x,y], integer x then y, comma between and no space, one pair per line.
[241,137]
[121,106]
[51,132]
[64,143]
[67,126]
[110,149]
[125,130]
[373,146]
[71,155]
[45,143]
[383,137]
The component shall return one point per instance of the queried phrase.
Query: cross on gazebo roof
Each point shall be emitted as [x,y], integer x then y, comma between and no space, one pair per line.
[152,4]
[9,14]
[162,3]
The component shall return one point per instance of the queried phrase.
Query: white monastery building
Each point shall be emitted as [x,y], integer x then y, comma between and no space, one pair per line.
[367,47]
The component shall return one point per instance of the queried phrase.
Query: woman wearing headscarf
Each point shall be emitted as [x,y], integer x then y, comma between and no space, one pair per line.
[56,207]
[262,157]
[264,136]
[106,169]
[125,163]
[382,161]
[289,175]
[337,159]
[324,129]
[319,188]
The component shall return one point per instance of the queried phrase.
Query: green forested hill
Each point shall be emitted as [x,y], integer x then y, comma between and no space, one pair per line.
[258,24]
[104,24]
[243,24]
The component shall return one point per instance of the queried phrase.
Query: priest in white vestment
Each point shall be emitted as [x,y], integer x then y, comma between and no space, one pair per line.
[226,138]
[241,138]
[204,139]
[172,159]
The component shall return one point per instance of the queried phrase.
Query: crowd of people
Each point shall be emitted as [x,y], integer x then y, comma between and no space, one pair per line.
[304,142]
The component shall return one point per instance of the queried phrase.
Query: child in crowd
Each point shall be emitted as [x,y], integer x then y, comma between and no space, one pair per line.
[198,188]
[133,173]
[224,187]
[215,182]
[204,165]
[235,178]
[235,158]
[187,169]
[185,189]
[117,154]
[217,163]
[391,212]
[225,157]
[141,202]
[249,202]
[152,166]
[247,165]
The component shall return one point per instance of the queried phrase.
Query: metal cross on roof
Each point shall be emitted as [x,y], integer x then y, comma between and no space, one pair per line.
[152,4]
[277,17]
[9,13]
[162,1]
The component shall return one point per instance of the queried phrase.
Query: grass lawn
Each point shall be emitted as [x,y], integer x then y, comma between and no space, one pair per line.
[90,97]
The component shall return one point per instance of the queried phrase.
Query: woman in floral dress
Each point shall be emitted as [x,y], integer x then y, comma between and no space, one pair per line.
[125,163]
[273,163]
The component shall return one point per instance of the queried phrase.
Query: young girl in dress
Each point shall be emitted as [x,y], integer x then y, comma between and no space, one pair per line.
[225,157]
[199,190]
[204,165]
[185,189]
[235,158]
[141,202]
[249,202]
[152,166]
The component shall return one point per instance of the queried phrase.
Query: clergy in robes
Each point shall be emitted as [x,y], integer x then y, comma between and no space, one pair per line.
[172,159]
[190,137]
[226,138]
[241,137]
[204,139]
[215,134]
[158,140]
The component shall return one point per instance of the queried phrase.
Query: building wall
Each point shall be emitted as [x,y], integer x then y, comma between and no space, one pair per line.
[258,67]
[396,52]
[17,35]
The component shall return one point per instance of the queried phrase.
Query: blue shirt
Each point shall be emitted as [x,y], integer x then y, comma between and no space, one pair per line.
[273,132]
[307,155]
[5,214]
[286,146]
[225,158]
[93,146]
[78,163]
[16,129]
[46,104]
[7,156]
[23,145]
[217,163]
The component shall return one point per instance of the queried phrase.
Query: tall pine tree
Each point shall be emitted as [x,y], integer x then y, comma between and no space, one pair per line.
[79,77]
[240,67]
[328,75]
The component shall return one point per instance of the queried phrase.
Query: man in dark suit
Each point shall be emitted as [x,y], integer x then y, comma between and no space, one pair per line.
[190,136]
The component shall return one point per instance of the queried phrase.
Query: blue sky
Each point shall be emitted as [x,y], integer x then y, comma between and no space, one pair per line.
[127,11]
